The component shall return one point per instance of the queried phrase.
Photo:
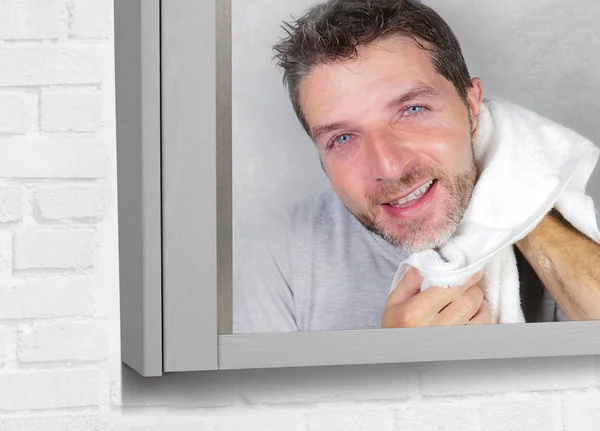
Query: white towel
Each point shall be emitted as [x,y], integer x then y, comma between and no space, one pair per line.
[528,165]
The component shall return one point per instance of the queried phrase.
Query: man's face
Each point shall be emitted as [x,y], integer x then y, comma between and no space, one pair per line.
[395,140]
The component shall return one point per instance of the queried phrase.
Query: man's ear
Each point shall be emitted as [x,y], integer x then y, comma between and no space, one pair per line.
[474,100]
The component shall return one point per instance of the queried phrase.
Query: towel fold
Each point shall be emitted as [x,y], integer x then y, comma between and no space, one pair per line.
[528,164]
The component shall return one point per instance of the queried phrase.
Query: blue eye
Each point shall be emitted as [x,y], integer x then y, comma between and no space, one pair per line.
[342,139]
[412,110]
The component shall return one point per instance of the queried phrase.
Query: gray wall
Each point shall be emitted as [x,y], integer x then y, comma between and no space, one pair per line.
[542,54]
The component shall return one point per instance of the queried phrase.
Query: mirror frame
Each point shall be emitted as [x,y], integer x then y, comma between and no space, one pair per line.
[175,220]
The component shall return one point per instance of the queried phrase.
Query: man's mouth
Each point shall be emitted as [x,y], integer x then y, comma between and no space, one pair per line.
[412,198]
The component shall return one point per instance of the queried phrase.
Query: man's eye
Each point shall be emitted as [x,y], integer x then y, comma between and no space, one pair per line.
[342,139]
[412,110]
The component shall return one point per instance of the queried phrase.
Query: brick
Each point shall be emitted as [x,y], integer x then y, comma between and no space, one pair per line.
[71,110]
[582,412]
[439,416]
[58,158]
[50,298]
[77,341]
[49,64]
[180,424]
[506,375]
[71,202]
[11,203]
[3,346]
[160,424]
[132,425]
[319,384]
[90,18]
[5,254]
[8,340]
[65,422]
[18,111]
[522,415]
[260,421]
[54,249]
[351,419]
[32,19]
[32,390]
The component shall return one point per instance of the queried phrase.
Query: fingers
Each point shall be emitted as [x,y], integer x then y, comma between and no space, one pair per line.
[483,316]
[432,301]
[460,311]
[407,306]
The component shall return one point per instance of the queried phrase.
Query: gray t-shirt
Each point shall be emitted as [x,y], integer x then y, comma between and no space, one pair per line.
[317,268]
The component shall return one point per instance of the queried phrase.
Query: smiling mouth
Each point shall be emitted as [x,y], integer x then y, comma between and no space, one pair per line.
[413,197]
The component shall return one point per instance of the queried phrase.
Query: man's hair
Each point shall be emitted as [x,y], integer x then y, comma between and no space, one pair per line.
[331,31]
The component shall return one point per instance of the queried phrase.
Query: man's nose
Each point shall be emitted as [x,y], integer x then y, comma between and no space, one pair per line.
[388,155]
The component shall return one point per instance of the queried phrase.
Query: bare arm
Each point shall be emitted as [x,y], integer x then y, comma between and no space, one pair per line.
[568,264]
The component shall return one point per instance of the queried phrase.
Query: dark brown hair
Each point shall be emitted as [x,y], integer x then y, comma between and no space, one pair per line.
[332,31]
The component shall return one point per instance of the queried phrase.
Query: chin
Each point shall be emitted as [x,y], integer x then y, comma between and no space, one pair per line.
[429,244]
[416,241]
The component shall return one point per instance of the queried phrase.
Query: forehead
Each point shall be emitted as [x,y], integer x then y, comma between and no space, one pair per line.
[396,62]
[394,51]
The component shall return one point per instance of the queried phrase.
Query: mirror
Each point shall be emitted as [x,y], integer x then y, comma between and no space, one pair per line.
[330,272]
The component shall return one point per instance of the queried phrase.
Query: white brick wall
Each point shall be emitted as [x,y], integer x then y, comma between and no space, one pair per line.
[54,249]
[351,418]
[90,19]
[47,298]
[59,301]
[72,341]
[522,415]
[581,412]
[32,19]
[8,345]
[11,203]
[70,110]
[49,389]
[69,63]
[69,203]
[52,157]
[446,415]
[18,111]
[45,422]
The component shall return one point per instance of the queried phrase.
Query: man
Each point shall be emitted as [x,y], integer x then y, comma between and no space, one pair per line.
[382,89]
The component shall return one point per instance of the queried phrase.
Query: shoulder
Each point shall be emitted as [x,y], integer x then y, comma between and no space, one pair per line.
[317,214]
[317,221]
[325,203]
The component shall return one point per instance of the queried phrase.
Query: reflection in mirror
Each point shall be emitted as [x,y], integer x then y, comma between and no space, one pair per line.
[392,162]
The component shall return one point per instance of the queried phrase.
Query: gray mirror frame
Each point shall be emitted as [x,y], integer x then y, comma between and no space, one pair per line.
[174,197]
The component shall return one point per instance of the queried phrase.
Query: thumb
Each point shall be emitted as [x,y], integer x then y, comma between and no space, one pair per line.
[408,287]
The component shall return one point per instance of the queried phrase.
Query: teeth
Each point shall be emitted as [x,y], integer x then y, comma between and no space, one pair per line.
[414,194]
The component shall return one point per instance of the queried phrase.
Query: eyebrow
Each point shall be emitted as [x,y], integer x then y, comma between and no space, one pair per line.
[420,91]
[322,130]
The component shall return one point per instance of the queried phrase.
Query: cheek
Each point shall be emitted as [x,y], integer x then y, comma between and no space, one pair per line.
[449,147]
[344,180]
[339,175]
[344,162]
[452,151]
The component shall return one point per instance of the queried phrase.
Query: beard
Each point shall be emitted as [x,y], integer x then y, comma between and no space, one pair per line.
[426,232]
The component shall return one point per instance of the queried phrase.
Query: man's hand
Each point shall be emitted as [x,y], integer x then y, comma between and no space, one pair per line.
[408,307]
